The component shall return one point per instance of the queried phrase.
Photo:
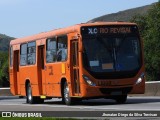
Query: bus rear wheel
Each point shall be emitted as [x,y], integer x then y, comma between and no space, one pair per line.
[31,99]
[121,99]
[66,97]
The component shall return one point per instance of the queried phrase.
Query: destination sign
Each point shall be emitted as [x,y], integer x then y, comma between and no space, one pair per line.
[94,30]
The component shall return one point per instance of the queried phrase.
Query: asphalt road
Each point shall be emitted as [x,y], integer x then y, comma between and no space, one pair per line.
[12,103]
[150,104]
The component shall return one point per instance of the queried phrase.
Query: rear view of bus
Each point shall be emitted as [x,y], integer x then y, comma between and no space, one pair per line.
[112,60]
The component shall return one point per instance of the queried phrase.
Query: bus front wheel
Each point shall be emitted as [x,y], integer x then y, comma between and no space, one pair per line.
[66,97]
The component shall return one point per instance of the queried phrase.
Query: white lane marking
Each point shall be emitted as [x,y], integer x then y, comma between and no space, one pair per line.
[106,107]
[120,108]
[152,82]
[81,107]
[54,106]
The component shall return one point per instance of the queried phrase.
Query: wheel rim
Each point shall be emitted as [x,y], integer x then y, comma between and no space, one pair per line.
[29,94]
[66,93]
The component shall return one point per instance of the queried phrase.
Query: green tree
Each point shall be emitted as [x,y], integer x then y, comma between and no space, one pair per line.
[4,74]
[152,43]
[149,26]
[141,22]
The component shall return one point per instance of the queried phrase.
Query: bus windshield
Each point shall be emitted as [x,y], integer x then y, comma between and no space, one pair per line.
[111,54]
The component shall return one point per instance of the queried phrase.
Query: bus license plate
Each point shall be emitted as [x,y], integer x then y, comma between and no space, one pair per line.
[116,93]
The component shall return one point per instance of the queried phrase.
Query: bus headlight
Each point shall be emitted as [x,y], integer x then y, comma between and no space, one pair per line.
[88,81]
[139,80]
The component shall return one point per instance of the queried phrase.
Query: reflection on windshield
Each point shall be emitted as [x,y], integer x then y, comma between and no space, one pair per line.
[110,54]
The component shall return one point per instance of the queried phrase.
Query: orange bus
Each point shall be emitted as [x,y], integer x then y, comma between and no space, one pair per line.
[84,61]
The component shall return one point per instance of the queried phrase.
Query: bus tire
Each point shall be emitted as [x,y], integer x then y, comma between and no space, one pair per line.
[121,99]
[30,99]
[66,97]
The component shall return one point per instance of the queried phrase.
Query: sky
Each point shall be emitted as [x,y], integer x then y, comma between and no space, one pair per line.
[20,18]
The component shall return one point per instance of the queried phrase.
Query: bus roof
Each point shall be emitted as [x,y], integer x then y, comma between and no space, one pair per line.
[62,31]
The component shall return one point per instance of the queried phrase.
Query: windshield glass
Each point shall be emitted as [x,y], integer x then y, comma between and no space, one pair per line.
[108,54]
[111,51]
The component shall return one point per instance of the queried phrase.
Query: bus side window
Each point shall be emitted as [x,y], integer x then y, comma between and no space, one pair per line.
[31,50]
[23,54]
[62,48]
[51,50]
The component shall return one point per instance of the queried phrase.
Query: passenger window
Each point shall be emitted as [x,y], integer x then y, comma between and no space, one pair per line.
[23,54]
[51,50]
[62,48]
[31,56]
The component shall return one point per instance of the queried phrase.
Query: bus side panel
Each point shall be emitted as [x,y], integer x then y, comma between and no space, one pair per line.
[34,80]
[22,89]
[23,76]
[29,73]
[11,81]
[18,83]
[50,90]
[53,77]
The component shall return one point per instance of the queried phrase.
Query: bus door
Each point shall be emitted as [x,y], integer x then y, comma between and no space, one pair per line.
[16,83]
[41,70]
[75,68]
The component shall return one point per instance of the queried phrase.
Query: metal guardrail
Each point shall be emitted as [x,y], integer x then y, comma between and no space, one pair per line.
[4,88]
[152,89]
[5,92]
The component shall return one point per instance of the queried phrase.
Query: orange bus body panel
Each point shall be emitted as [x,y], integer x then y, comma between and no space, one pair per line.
[46,78]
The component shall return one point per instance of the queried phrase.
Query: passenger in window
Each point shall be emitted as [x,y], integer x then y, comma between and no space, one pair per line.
[59,55]
[64,54]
